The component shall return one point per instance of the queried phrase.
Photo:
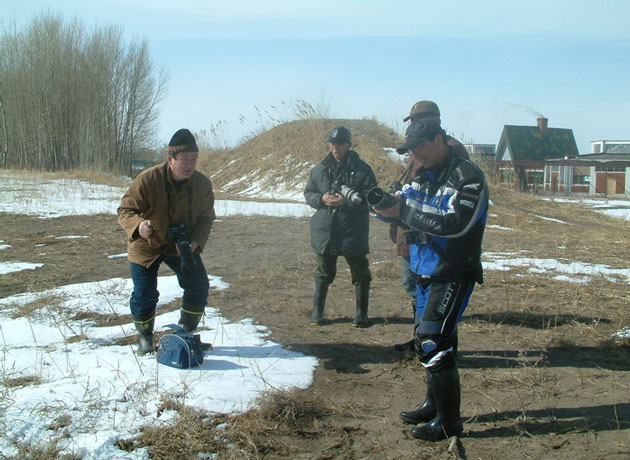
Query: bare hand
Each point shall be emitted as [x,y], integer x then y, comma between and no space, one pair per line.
[145,229]
[332,200]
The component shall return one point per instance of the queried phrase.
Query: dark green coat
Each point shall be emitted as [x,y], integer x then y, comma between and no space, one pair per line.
[342,230]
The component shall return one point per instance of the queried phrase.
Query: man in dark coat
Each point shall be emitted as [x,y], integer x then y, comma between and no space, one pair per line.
[336,188]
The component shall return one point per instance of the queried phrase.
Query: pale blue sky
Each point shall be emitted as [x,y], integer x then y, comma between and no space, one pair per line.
[486,63]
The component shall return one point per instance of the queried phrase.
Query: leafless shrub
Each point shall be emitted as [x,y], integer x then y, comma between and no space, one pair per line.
[72,98]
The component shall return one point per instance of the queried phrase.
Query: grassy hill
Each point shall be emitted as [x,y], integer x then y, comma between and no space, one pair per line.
[275,164]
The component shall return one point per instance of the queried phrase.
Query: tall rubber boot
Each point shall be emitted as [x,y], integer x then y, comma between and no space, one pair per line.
[189,319]
[319,301]
[426,412]
[362,295]
[144,325]
[447,396]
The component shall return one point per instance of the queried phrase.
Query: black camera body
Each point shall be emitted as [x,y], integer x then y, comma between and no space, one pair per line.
[180,236]
[348,193]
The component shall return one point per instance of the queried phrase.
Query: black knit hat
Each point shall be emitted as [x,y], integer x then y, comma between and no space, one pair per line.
[182,141]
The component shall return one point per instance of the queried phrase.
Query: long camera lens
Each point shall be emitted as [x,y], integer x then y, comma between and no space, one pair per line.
[188,262]
[379,198]
[351,195]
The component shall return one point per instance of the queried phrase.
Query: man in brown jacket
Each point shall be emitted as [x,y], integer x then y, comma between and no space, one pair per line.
[167,212]
[419,111]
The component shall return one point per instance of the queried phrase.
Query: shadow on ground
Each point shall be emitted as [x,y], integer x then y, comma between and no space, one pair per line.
[552,421]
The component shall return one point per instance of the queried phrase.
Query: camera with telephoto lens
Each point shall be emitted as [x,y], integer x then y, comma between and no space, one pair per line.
[179,235]
[348,193]
[379,198]
[415,237]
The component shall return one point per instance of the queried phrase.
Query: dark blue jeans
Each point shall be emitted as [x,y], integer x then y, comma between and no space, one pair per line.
[145,293]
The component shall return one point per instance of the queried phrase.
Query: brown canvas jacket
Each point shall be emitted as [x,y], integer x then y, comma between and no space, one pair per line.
[147,199]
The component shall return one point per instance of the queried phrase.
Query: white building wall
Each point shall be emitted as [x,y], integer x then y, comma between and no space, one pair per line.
[591,189]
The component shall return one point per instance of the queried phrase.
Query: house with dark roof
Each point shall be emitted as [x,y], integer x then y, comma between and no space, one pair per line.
[523,150]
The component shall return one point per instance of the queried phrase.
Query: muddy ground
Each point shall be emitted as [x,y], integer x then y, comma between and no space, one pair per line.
[540,376]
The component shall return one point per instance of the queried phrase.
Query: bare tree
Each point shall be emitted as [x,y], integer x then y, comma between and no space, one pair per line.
[72,99]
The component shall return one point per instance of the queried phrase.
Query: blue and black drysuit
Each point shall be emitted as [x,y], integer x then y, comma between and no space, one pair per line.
[447,207]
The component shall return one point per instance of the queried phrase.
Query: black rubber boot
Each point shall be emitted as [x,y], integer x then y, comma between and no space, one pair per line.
[144,326]
[319,301]
[362,295]
[189,319]
[447,422]
[426,412]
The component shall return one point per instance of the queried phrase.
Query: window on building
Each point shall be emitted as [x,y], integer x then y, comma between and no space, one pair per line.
[610,169]
[618,148]
[581,180]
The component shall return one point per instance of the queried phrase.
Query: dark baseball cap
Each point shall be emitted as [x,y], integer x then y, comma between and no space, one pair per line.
[339,135]
[418,133]
[423,109]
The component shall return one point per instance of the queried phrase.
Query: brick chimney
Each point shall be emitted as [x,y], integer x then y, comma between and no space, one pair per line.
[542,124]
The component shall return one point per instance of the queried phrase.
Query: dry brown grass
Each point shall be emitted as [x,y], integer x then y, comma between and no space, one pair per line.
[48,452]
[287,414]
[583,235]
[30,308]
[12,382]
[282,156]
[536,311]
[193,432]
[99,177]
[93,177]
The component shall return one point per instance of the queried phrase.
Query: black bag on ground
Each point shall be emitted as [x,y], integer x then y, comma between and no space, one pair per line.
[181,350]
